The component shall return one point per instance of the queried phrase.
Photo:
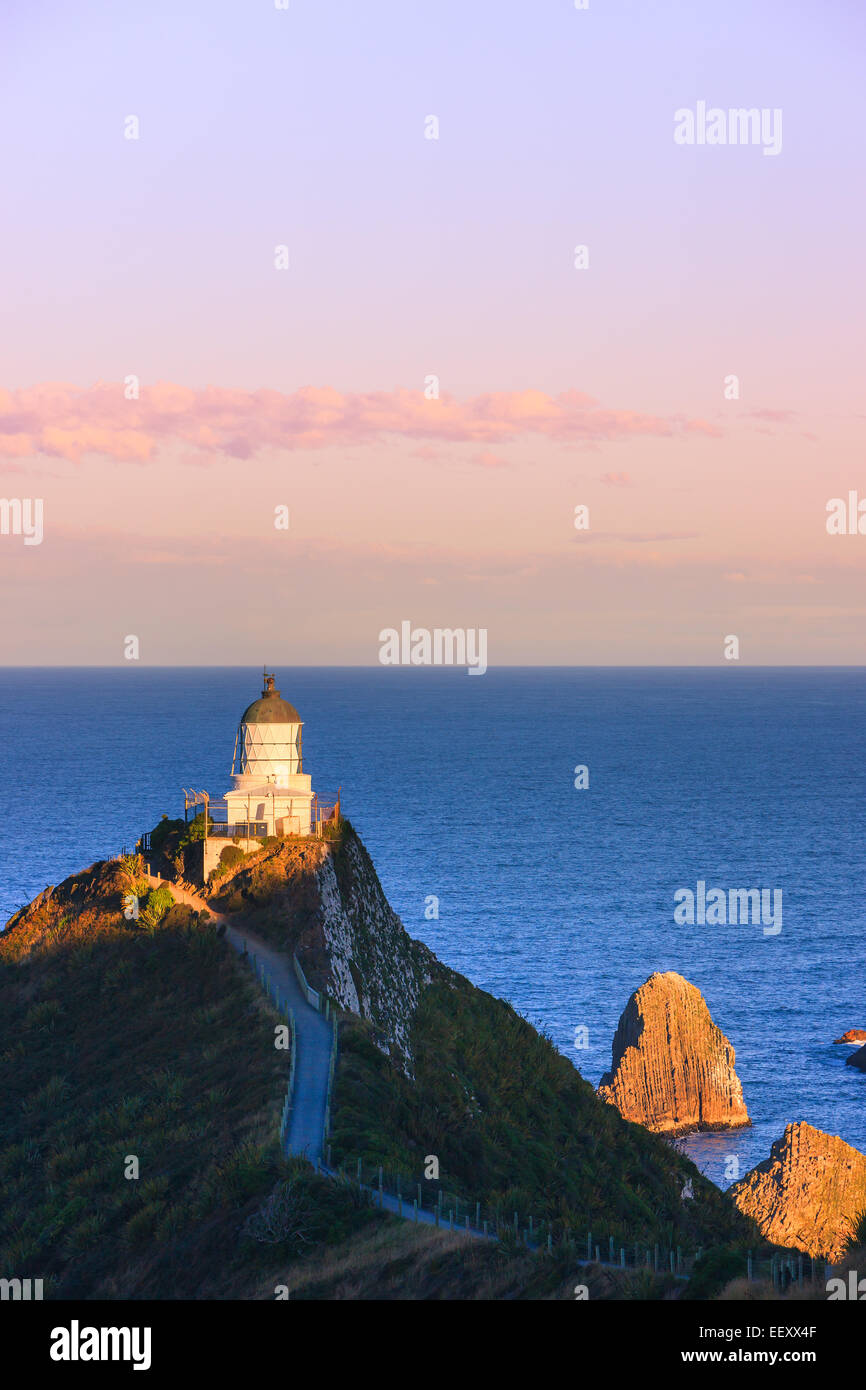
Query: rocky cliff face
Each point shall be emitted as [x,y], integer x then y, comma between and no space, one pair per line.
[324,901]
[808,1193]
[373,967]
[673,1069]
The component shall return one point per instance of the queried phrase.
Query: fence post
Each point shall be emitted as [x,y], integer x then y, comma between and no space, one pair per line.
[415,1210]
[477,1215]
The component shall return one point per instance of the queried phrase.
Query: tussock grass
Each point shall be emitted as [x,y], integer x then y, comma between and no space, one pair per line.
[153,1043]
[515,1126]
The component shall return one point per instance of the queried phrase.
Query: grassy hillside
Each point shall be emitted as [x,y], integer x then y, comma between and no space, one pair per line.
[515,1126]
[143,1039]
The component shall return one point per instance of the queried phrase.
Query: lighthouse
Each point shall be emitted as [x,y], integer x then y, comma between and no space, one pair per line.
[270,795]
[270,792]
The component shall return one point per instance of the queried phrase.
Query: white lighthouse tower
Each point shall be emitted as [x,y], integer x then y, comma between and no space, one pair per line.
[270,790]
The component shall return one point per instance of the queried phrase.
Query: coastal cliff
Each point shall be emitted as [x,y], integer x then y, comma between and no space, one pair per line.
[808,1194]
[175,1063]
[672,1068]
[323,901]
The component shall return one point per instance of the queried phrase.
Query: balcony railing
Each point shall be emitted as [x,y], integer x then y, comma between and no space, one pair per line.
[238,830]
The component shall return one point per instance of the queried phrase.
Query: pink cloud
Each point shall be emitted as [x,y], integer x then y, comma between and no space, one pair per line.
[777,417]
[70,422]
[632,537]
[487,459]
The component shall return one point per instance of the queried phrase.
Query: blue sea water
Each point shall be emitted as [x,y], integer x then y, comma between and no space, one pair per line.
[558,899]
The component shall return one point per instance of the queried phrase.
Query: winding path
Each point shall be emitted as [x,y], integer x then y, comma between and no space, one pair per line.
[313,1034]
[305,1135]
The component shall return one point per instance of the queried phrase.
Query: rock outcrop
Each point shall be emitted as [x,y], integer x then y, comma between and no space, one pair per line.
[857,1059]
[808,1194]
[853,1035]
[673,1069]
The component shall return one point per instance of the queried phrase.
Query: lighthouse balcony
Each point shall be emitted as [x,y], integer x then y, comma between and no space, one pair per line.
[238,830]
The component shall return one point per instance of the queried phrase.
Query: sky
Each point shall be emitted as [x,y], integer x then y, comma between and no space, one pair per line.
[437,379]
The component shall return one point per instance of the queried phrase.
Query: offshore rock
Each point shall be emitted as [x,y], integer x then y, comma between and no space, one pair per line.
[808,1194]
[673,1069]
[853,1035]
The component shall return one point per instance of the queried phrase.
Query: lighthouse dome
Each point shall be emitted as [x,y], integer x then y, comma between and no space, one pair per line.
[270,709]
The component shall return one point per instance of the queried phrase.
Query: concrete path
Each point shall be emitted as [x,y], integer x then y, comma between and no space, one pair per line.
[313,1033]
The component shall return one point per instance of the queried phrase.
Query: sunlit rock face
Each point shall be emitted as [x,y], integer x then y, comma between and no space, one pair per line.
[808,1194]
[673,1069]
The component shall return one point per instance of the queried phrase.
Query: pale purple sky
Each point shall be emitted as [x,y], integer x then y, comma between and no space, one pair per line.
[411,257]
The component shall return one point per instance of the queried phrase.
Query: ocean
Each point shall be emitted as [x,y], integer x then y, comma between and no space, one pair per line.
[558,899]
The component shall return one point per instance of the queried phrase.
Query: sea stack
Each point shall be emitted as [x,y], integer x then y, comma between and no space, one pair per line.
[854,1035]
[857,1059]
[673,1069]
[808,1194]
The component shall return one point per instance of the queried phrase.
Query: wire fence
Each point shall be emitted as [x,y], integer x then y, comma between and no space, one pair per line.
[432,1202]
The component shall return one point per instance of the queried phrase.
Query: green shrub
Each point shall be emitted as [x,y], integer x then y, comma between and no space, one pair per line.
[159,835]
[195,829]
[716,1268]
[158,904]
[231,855]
